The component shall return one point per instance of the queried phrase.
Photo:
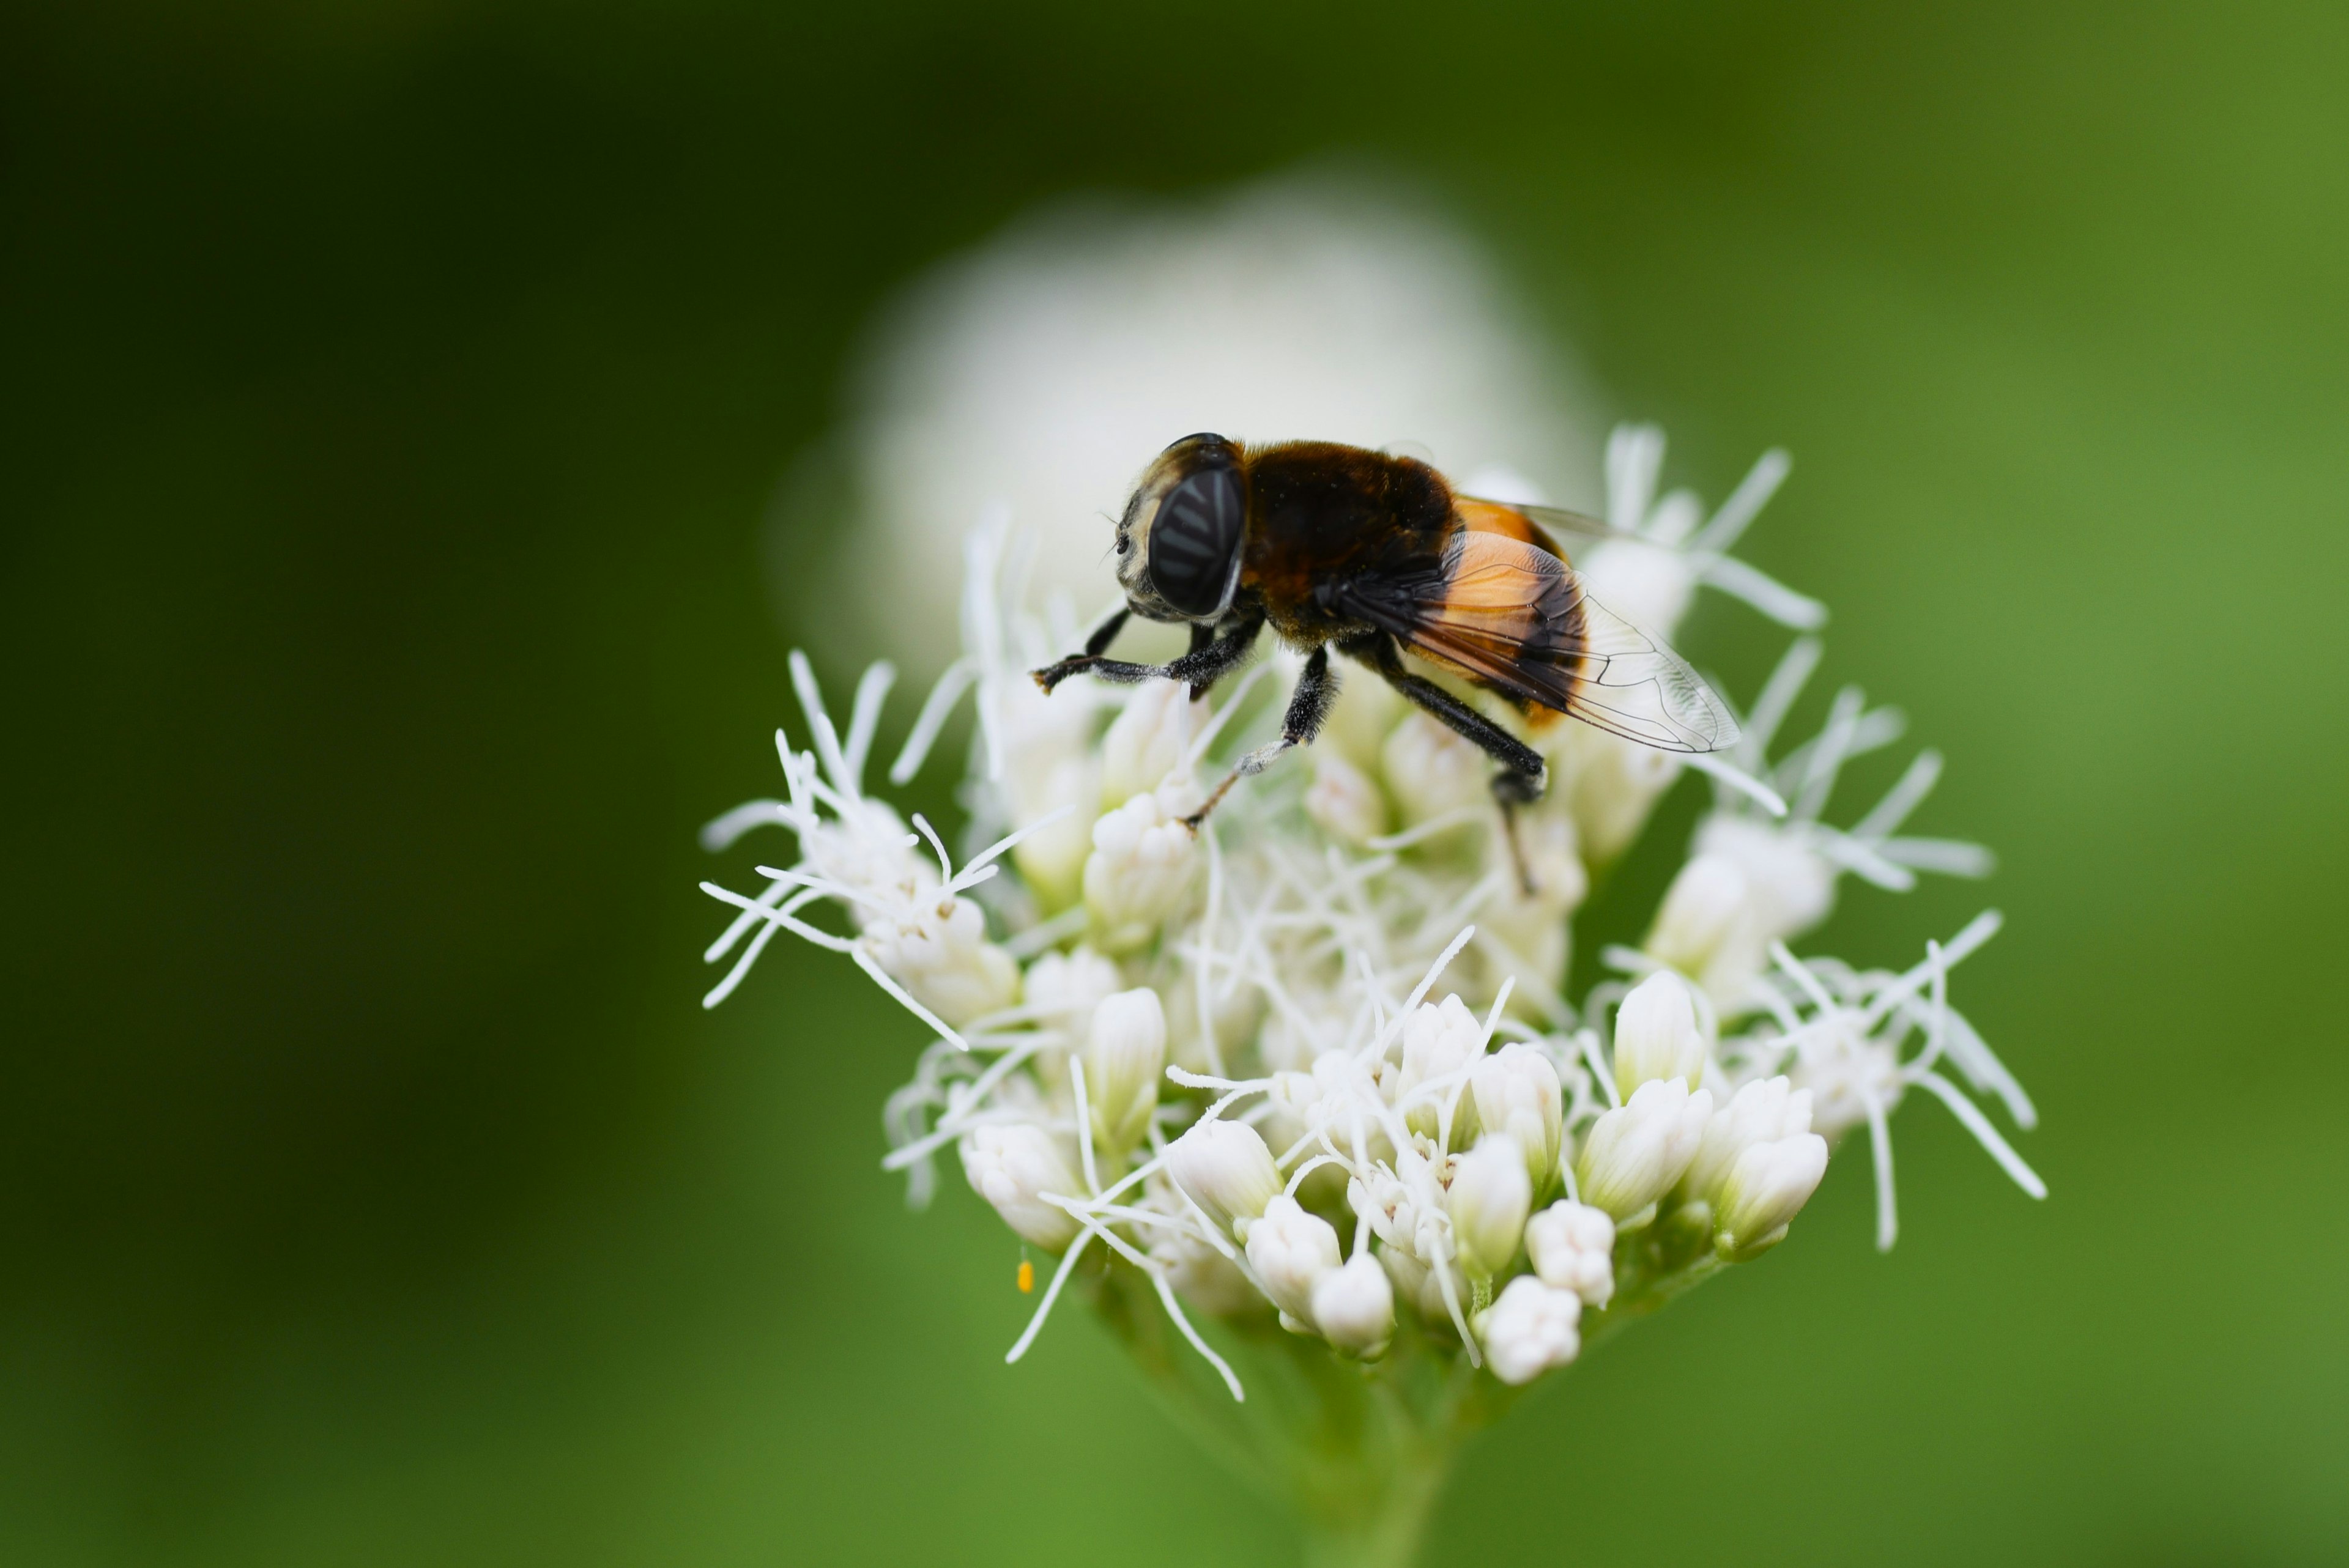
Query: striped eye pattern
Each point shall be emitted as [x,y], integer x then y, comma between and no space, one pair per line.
[1195,542]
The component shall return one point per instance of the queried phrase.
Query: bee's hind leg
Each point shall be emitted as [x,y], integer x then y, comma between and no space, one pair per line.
[1317,688]
[1523,775]
[1511,790]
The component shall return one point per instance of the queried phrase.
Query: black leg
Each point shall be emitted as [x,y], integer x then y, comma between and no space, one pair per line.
[1521,777]
[1203,666]
[1309,705]
[1106,633]
[1513,790]
[1202,634]
[1102,636]
[1524,780]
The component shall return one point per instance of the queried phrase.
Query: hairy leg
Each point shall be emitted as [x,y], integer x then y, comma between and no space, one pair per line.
[1523,774]
[1307,706]
[1203,637]
[1203,666]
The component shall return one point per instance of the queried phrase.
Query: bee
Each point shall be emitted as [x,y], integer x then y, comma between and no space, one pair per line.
[1375,555]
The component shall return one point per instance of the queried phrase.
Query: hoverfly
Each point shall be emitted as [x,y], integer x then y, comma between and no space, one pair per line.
[1374,554]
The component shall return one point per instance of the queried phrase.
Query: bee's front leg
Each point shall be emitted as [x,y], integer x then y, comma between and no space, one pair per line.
[1206,663]
[1105,634]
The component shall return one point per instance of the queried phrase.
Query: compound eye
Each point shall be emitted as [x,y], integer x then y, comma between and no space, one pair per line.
[1195,544]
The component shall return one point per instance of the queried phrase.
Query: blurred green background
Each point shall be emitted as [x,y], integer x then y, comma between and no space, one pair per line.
[394,394]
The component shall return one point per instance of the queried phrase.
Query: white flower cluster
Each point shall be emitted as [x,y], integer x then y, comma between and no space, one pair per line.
[1316,1060]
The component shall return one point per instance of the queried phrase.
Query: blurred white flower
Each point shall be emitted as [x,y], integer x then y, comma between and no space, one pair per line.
[1756,878]
[1842,1038]
[1434,775]
[1344,800]
[1046,368]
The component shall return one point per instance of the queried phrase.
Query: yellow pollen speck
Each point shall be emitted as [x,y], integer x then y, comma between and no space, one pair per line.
[1027,1276]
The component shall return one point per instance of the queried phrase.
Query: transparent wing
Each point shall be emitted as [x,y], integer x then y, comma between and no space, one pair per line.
[1515,618]
[1556,519]
[1643,691]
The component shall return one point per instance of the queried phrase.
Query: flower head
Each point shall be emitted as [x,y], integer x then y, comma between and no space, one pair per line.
[1318,1055]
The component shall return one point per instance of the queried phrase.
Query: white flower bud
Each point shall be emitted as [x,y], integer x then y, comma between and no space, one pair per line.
[1353,1305]
[1761,1111]
[1345,800]
[1009,1166]
[1416,1283]
[1635,1152]
[1438,1040]
[1530,1329]
[1148,740]
[1290,1249]
[1225,1169]
[1065,987]
[1488,1199]
[1516,1091]
[1140,869]
[1764,1191]
[1051,859]
[1656,1035]
[1572,1247]
[1432,771]
[1843,1070]
[1123,1055]
[941,954]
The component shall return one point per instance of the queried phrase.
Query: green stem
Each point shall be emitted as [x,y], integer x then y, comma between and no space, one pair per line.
[1383,1526]
[1357,1452]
